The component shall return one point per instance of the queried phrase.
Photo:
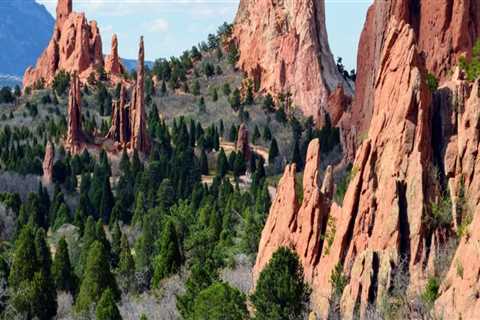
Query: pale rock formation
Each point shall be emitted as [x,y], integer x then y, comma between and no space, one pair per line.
[284,48]
[48,164]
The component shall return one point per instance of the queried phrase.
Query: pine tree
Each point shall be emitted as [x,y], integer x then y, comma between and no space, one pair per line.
[169,259]
[107,201]
[116,243]
[222,164]
[273,152]
[24,264]
[235,100]
[42,297]
[62,217]
[126,264]
[97,278]
[297,157]
[107,308]
[140,210]
[204,163]
[281,292]
[63,275]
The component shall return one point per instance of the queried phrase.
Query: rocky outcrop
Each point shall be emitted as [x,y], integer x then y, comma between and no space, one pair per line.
[75,138]
[120,129]
[284,48]
[297,226]
[48,164]
[113,64]
[242,145]
[444,30]
[456,139]
[338,104]
[76,46]
[139,137]
[380,229]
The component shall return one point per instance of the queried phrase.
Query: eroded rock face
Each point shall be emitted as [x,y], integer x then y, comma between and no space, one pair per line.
[120,129]
[338,104]
[445,30]
[297,226]
[48,164]
[74,140]
[284,48]
[380,227]
[243,144]
[113,65]
[139,137]
[76,46]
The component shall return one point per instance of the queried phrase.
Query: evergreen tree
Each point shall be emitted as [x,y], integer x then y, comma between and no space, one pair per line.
[222,164]
[24,263]
[41,297]
[169,259]
[107,201]
[256,135]
[107,308]
[281,292]
[140,210]
[220,302]
[297,157]
[239,165]
[62,216]
[204,163]
[126,264]
[116,243]
[273,152]
[97,278]
[63,275]
[235,100]
[233,133]
[267,134]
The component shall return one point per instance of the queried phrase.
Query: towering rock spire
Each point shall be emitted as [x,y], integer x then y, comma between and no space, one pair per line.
[48,164]
[74,131]
[75,46]
[120,129]
[64,8]
[284,48]
[243,144]
[139,138]
[113,66]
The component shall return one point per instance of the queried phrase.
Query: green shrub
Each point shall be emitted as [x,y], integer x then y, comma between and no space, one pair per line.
[430,294]
[471,67]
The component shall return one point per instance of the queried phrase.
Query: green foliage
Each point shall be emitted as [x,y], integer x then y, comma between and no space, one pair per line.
[6,95]
[432,82]
[169,259]
[61,82]
[107,308]
[471,67]
[281,292]
[220,302]
[97,278]
[24,263]
[440,213]
[273,153]
[431,292]
[63,275]
[126,264]
[338,280]
[235,100]
[232,54]
[342,186]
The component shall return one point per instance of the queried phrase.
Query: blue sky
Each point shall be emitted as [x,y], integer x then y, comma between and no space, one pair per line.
[171,26]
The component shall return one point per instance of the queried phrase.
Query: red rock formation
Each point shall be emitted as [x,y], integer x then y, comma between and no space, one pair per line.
[74,138]
[76,46]
[299,227]
[243,144]
[382,221]
[284,48]
[113,65]
[120,129]
[445,30]
[338,103]
[48,164]
[139,138]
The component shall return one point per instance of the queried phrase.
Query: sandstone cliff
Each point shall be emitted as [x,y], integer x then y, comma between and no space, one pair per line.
[113,64]
[76,46]
[284,48]
[47,165]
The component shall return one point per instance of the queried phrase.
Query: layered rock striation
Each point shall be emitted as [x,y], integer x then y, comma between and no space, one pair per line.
[283,48]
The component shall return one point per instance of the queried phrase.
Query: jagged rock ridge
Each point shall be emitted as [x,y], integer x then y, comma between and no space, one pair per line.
[284,48]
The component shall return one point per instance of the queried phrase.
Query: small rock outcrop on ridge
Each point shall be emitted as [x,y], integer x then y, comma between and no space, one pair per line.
[76,46]
[284,48]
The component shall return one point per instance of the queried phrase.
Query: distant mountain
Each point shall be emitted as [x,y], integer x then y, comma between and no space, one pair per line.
[25,29]
[131,64]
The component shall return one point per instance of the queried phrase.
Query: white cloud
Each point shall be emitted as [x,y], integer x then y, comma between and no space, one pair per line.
[158,25]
